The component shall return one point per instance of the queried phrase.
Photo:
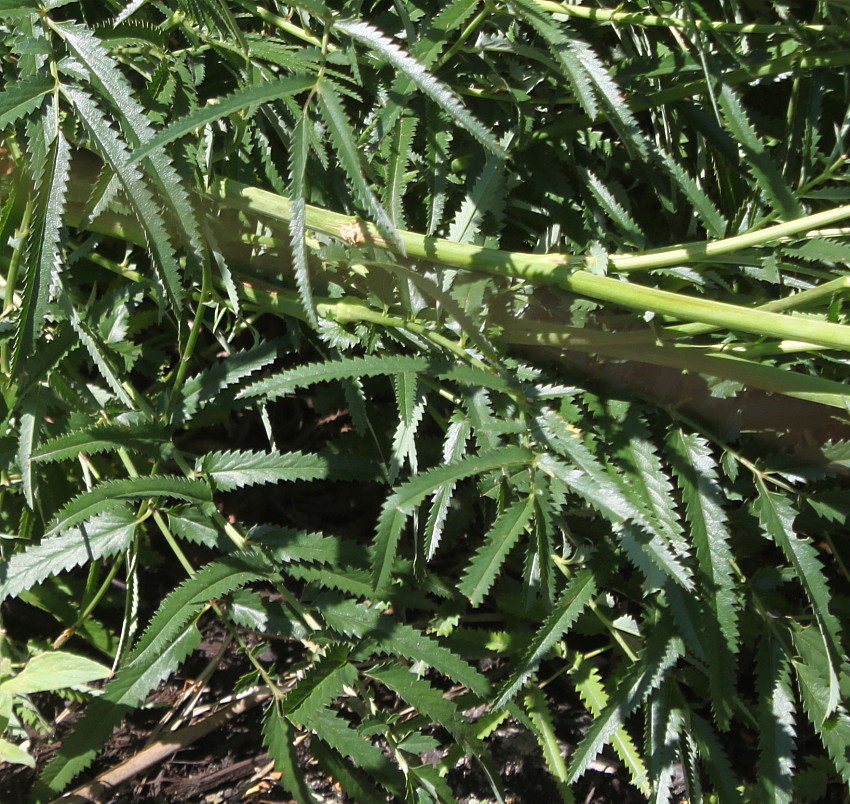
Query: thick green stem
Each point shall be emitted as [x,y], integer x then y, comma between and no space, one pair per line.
[557,270]
[665,21]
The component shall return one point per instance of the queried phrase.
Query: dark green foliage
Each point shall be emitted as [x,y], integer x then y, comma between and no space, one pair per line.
[385,251]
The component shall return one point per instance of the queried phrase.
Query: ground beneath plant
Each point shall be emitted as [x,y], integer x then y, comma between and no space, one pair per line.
[230,764]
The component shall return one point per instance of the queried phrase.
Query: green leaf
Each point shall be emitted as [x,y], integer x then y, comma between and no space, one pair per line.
[588,684]
[758,161]
[21,98]
[320,685]
[96,349]
[298,154]
[814,683]
[279,739]
[348,368]
[421,696]
[777,518]
[502,536]
[9,752]
[55,670]
[145,438]
[777,731]
[43,246]
[103,535]
[353,781]
[243,98]
[696,472]
[168,639]
[348,153]
[114,151]
[441,94]
[454,446]
[663,729]
[537,706]
[571,603]
[659,654]
[402,502]
[205,387]
[389,636]
[232,470]
[137,128]
[332,729]
[108,494]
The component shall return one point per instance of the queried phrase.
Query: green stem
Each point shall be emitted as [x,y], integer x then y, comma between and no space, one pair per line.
[557,270]
[664,21]
[191,341]
[534,267]
[12,276]
[686,358]
[157,516]
[280,23]
[467,32]
[91,606]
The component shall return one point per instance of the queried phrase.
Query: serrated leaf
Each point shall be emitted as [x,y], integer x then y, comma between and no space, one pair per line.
[537,707]
[97,350]
[109,494]
[356,783]
[812,672]
[348,368]
[298,154]
[279,739]
[664,726]
[114,151]
[421,695]
[481,571]
[320,685]
[342,135]
[232,470]
[145,438]
[659,654]
[696,472]
[22,97]
[588,684]
[168,639]
[332,729]
[777,518]
[441,94]
[103,535]
[454,445]
[204,387]
[756,158]
[777,731]
[43,261]
[137,128]
[409,495]
[389,636]
[237,101]
[571,603]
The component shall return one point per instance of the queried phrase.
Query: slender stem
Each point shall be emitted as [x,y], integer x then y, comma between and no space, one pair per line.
[466,33]
[191,341]
[157,516]
[280,23]
[91,606]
